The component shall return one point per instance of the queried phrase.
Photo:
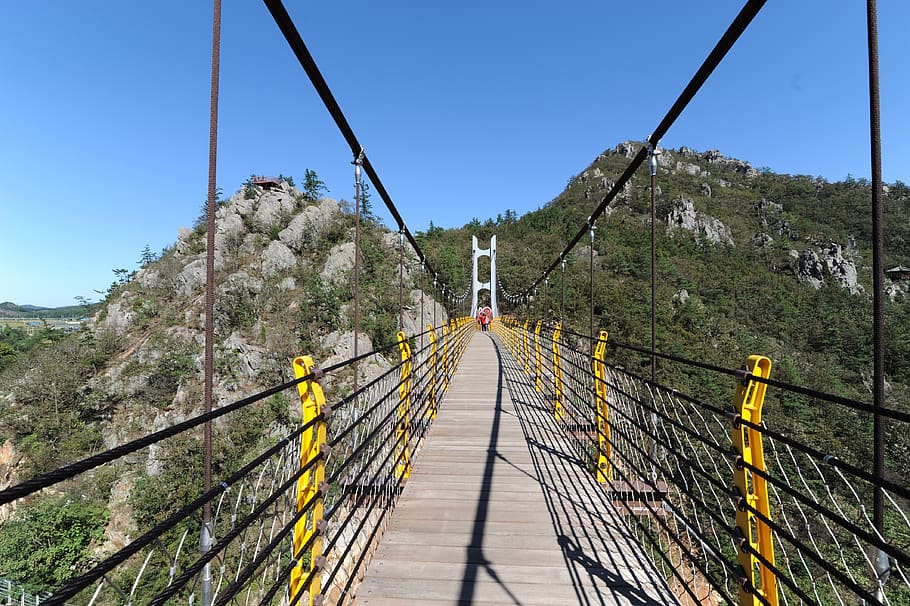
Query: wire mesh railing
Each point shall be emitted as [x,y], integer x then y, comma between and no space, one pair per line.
[14,594]
[276,535]
[730,507]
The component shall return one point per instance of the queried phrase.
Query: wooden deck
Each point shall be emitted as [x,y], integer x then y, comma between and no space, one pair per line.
[498,511]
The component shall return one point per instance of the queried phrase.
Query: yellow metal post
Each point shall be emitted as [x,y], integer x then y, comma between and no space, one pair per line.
[513,329]
[761,583]
[445,357]
[557,374]
[402,456]
[525,353]
[431,389]
[538,359]
[312,401]
[516,339]
[604,443]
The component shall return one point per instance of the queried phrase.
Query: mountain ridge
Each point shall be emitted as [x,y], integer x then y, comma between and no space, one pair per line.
[728,285]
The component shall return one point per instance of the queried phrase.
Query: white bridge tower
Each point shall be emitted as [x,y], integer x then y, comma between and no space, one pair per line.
[477,285]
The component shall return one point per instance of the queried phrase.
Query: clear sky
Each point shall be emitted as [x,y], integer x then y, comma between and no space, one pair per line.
[465,109]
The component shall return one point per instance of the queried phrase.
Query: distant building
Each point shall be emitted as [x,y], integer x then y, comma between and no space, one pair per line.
[898,274]
[265,182]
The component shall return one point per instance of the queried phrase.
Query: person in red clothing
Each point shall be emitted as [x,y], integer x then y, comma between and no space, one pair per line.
[484,317]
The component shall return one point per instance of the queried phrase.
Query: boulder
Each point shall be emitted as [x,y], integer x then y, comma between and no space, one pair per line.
[809,269]
[338,263]
[273,210]
[192,278]
[277,259]
[843,270]
[309,224]
[689,169]
[118,318]
[183,241]
[761,240]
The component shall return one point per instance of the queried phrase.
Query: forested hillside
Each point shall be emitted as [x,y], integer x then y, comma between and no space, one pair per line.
[748,262]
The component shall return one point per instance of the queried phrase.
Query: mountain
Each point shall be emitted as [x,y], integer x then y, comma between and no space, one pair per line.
[283,272]
[11,310]
[748,261]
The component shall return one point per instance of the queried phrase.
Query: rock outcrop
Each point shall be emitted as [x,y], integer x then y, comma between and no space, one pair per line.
[813,265]
[683,216]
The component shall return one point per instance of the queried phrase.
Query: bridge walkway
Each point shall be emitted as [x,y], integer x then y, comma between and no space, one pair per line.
[499,511]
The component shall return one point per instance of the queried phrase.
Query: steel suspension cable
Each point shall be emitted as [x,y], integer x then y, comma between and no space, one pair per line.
[878,276]
[293,38]
[358,194]
[889,413]
[207,534]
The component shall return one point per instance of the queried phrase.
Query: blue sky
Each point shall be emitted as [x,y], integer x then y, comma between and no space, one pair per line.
[465,109]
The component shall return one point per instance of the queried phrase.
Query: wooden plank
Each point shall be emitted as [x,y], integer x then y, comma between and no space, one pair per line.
[498,510]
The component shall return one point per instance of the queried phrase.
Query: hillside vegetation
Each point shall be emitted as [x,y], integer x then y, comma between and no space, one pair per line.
[284,259]
[748,262]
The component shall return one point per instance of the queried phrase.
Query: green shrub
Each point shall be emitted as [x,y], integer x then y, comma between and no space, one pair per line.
[48,544]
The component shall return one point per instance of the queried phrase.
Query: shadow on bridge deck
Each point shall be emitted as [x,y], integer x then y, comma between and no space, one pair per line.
[499,510]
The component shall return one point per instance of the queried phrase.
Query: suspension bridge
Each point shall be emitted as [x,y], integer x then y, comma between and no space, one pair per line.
[525,465]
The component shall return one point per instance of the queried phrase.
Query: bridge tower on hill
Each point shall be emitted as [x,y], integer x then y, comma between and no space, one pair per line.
[476,284]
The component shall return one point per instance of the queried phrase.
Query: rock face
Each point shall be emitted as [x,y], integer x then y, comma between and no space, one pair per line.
[808,268]
[339,261]
[683,216]
[277,259]
[812,266]
[9,463]
[843,270]
[771,215]
[305,228]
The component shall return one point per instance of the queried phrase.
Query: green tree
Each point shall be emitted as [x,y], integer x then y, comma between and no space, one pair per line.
[48,545]
[313,186]
[147,257]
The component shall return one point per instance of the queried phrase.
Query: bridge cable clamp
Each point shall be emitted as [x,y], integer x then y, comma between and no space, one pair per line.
[744,375]
[326,411]
[740,575]
[739,538]
[739,463]
[325,449]
[738,499]
[324,488]
[317,373]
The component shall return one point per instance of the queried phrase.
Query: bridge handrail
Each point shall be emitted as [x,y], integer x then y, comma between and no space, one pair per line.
[33,485]
[656,425]
[373,392]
